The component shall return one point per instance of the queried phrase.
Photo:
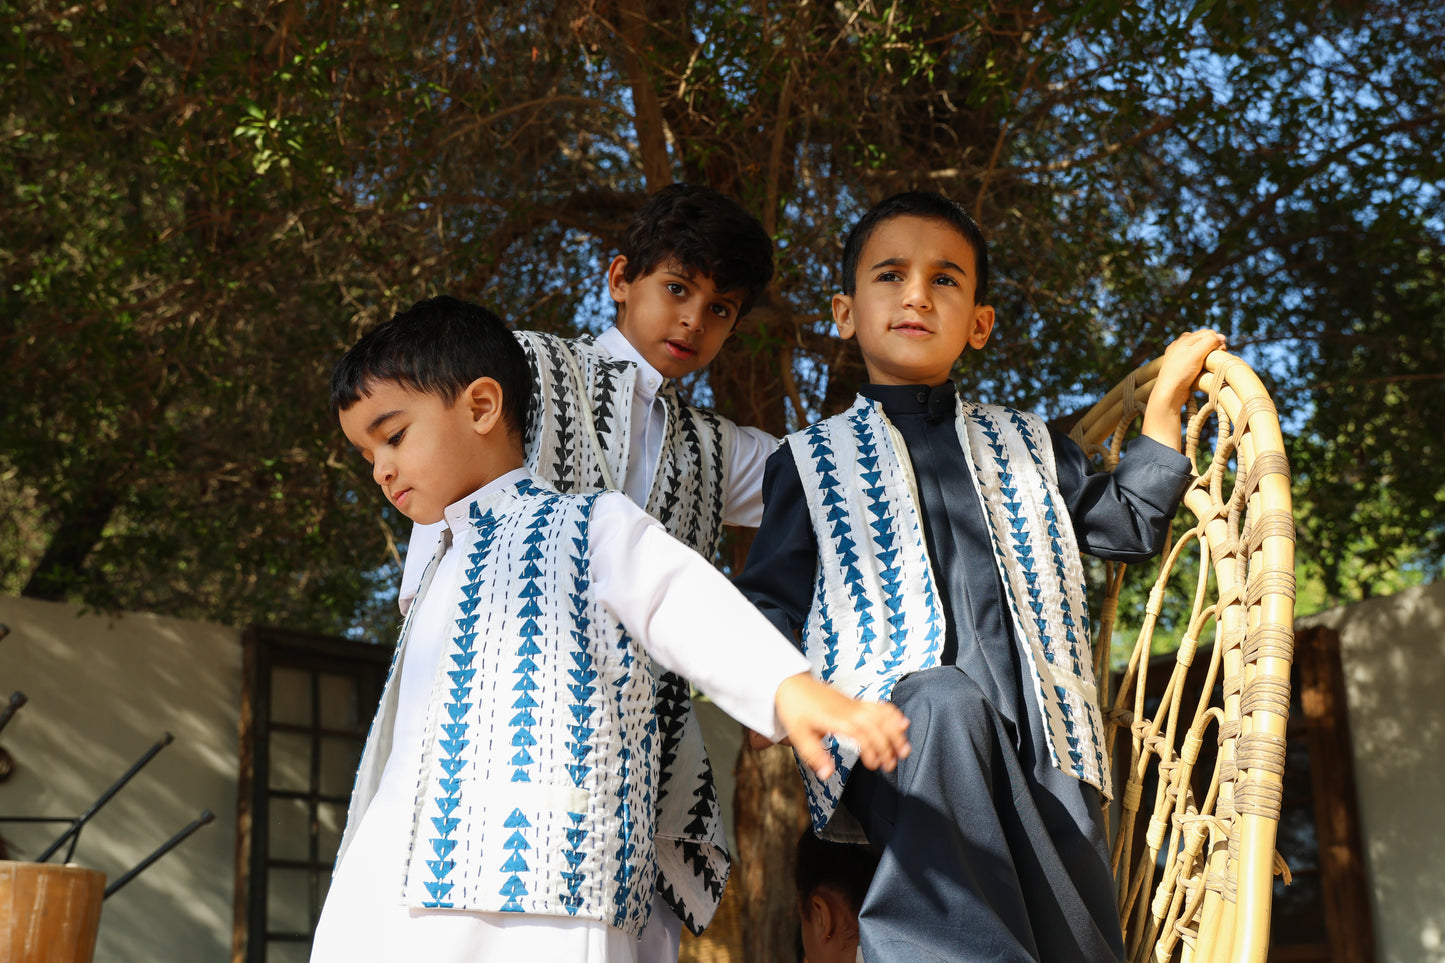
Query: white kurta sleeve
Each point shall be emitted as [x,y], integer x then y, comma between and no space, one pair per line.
[687,615]
[743,500]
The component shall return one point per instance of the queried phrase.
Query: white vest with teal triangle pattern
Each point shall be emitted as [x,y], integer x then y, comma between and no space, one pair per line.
[535,793]
[875,615]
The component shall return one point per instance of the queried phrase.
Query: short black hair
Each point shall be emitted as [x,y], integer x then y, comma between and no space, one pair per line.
[927,205]
[438,346]
[704,232]
[846,868]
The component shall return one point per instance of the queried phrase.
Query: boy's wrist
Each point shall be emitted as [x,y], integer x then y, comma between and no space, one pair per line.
[1163,424]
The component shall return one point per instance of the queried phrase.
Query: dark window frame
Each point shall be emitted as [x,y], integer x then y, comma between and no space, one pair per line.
[263,651]
[1345,892]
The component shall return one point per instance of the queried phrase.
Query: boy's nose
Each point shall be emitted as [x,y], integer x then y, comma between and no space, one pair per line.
[382,472]
[917,295]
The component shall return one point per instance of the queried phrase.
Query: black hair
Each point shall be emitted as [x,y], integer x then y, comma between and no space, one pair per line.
[437,346]
[846,868]
[927,205]
[705,232]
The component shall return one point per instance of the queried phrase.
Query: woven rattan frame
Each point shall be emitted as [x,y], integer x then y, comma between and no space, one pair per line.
[1199,889]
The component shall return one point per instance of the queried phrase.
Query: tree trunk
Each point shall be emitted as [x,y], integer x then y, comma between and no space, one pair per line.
[639,35]
[769,814]
[61,570]
[769,809]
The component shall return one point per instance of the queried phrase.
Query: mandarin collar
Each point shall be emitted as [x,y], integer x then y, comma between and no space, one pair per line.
[939,402]
[458,514]
[649,381]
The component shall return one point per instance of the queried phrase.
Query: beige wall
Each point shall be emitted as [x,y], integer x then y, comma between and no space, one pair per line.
[102,690]
[1393,651]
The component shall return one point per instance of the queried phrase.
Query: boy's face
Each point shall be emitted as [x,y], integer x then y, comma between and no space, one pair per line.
[676,322]
[913,311]
[424,453]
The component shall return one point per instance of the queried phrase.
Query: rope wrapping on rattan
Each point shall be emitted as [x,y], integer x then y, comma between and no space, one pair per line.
[1268,642]
[1269,583]
[1194,865]
[1266,695]
[1260,750]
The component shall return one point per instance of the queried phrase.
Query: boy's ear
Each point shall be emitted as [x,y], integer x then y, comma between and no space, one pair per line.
[483,399]
[617,285]
[982,326]
[820,917]
[843,315]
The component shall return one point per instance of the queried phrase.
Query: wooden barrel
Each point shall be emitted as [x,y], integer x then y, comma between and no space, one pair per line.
[49,914]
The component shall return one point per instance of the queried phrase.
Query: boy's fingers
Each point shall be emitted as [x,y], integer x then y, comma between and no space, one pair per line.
[875,760]
[880,747]
[881,736]
[811,751]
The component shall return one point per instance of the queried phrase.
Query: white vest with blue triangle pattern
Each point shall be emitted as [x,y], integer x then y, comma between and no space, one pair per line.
[875,615]
[535,793]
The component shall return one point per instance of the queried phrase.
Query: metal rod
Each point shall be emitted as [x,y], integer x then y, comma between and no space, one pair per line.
[17,699]
[81,820]
[170,844]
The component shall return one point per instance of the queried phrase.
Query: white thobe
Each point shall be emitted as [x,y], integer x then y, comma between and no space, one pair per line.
[742,505]
[656,587]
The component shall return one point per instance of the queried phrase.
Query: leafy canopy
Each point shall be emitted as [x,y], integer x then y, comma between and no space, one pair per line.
[204,204]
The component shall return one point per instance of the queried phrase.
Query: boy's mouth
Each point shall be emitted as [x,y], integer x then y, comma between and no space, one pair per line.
[399,497]
[680,350]
[911,327]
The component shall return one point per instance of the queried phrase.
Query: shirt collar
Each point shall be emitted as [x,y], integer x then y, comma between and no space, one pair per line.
[649,381]
[458,514]
[939,402]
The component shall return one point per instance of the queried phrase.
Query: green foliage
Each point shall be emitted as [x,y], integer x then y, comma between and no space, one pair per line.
[203,204]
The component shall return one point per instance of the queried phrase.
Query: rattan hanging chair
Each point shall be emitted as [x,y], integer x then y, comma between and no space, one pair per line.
[1194,850]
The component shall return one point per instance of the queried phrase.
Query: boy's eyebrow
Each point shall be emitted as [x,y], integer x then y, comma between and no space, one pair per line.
[380,419]
[942,262]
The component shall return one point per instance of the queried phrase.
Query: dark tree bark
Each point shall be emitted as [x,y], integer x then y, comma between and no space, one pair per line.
[62,568]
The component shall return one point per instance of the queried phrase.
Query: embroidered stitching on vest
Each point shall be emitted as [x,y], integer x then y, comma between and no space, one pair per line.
[1047,606]
[493,832]
[870,539]
[687,497]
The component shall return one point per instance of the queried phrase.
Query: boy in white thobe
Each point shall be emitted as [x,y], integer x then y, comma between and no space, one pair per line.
[503,802]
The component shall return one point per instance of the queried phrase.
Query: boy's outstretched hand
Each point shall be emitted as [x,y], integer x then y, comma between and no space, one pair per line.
[810,710]
[1183,360]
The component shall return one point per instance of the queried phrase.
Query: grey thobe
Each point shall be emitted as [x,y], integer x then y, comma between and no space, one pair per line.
[988,851]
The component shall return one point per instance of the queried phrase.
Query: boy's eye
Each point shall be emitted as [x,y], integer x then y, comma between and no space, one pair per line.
[722,311]
[676,288]
[395,439]
[945,279]
[889,276]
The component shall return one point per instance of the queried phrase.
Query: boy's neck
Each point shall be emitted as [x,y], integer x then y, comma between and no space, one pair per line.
[503,463]
[496,463]
[487,482]
[875,389]
[616,342]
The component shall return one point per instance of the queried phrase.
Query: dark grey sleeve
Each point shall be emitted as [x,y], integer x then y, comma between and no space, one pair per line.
[782,564]
[1124,516]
